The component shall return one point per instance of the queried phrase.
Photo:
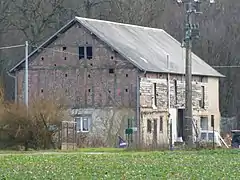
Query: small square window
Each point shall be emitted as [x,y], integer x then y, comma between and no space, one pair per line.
[65,58]
[89,76]
[89,52]
[41,90]
[89,90]
[111,71]
[81,52]
[126,75]
[42,58]
[126,90]
[66,75]
[64,48]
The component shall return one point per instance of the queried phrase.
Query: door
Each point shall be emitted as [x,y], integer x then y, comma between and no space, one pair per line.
[180,123]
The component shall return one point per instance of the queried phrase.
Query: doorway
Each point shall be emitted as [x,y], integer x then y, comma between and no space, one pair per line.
[180,123]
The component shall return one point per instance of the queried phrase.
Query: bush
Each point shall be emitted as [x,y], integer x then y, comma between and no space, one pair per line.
[32,128]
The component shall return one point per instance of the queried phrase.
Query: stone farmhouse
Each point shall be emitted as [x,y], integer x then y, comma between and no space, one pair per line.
[110,72]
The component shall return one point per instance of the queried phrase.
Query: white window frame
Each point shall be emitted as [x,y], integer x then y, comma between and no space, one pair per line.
[81,119]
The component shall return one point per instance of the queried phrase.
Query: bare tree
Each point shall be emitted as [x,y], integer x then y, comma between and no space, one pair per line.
[36,19]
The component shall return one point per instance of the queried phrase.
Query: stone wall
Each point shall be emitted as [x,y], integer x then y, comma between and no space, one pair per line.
[177,94]
[177,100]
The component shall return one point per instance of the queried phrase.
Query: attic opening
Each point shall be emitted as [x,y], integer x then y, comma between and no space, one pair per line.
[111,71]
[81,52]
[89,52]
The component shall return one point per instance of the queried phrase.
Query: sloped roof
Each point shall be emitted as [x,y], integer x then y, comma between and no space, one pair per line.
[145,47]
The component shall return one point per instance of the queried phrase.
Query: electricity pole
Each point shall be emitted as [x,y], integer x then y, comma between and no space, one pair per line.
[26,74]
[191,31]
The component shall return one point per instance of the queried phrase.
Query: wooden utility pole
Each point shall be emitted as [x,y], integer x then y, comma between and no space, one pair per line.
[191,31]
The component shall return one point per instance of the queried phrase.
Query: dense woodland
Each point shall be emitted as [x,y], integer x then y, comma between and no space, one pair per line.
[36,20]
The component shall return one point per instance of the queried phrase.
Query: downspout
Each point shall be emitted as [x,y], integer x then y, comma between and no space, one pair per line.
[138,121]
[15,85]
[169,106]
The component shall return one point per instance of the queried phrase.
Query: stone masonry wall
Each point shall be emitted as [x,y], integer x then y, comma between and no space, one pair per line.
[177,94]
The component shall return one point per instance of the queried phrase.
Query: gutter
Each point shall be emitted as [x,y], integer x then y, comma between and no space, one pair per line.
[15,85]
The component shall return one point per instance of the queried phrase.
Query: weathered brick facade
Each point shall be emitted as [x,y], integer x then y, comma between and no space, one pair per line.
[105,80]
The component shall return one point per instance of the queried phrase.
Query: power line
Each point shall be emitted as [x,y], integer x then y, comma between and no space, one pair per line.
[10,47]
[234,66]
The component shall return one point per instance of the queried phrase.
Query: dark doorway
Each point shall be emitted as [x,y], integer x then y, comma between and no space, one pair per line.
[180,123]
[155,133]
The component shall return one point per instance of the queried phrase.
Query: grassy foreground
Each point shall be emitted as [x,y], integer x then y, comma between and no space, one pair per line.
[126,165]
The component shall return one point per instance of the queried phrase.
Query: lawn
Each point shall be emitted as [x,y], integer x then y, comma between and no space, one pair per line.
[126,165]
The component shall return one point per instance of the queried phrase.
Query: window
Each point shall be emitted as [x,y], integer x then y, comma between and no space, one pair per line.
[204,136]
[81,52]
[126,75]
[202,102]
[210,137]
[204,123]
[89,52]
[155,94]
[149,126]
[175,90]
[64,48]
[161,124]
[111,71]
[83,123]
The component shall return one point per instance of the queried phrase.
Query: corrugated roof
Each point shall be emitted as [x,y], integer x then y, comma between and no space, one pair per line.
[145,47]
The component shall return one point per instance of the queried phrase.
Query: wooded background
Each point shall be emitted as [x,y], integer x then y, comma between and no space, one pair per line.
[36,20]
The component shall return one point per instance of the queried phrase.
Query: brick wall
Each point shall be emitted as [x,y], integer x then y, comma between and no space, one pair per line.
[59,71]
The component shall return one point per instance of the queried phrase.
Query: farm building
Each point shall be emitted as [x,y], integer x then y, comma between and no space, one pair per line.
[112,74]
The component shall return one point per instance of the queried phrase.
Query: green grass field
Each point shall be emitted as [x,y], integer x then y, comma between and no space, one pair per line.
[217,164]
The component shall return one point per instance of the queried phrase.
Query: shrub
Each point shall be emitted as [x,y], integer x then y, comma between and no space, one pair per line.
[31,128]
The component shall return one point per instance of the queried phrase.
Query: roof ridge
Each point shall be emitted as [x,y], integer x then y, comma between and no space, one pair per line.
[117,23]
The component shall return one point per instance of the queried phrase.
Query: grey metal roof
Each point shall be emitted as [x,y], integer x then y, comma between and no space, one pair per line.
[145,47]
